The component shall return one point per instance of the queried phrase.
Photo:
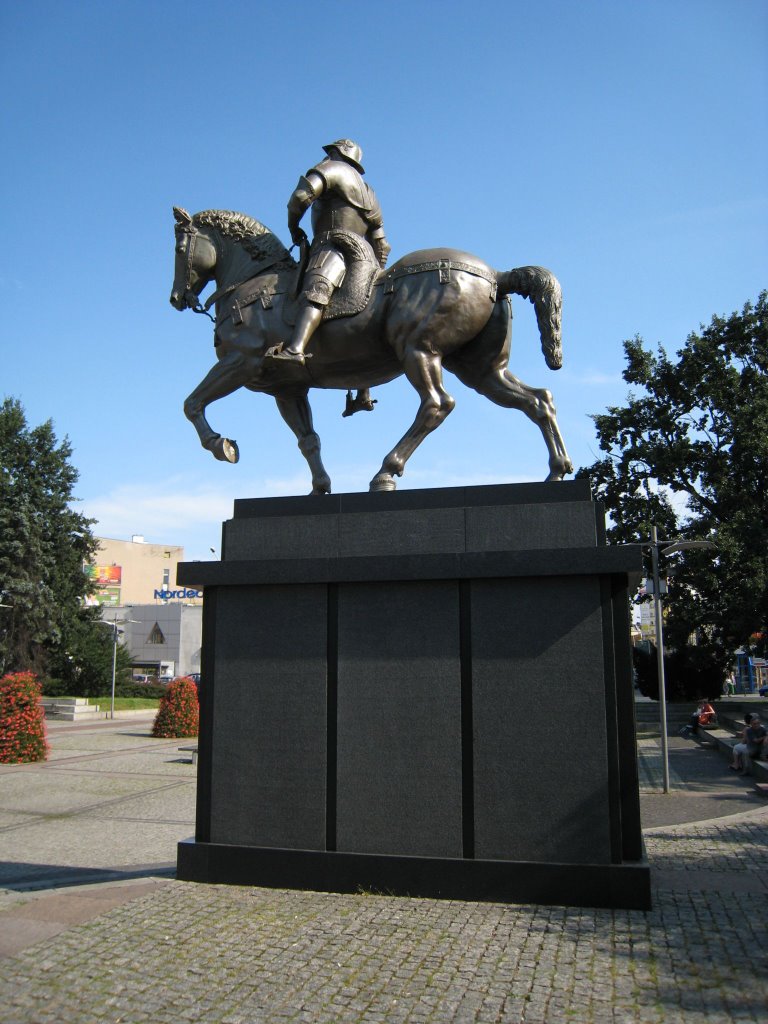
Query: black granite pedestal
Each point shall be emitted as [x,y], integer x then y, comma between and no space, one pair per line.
[420,692]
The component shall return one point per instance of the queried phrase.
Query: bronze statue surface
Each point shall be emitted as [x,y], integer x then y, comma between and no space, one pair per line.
[433,308]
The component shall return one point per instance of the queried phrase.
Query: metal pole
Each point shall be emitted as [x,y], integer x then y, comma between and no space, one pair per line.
[114,672]
[660,659]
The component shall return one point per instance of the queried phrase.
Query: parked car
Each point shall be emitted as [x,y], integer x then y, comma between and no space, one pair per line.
[143,679]
[763,691]
[195,677]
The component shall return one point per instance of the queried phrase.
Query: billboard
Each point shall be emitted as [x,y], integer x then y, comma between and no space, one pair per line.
[106,575]
[107,579]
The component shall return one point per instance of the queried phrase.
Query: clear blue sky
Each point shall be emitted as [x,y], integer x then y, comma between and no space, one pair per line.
[623,145]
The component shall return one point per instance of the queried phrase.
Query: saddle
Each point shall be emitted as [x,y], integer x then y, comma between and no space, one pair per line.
[355,290]
[362,273]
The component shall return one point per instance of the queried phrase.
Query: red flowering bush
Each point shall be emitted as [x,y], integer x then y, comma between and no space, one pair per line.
[22,719]
[179,711]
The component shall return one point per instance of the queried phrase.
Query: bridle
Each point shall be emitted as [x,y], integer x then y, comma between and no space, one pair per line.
[195,305]
[190,232]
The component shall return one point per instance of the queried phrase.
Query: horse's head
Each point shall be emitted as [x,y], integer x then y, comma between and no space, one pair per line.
[195,261]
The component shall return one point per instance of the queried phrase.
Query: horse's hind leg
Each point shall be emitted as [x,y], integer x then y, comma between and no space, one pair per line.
[424,370]
[298,415]
[230,373]
[506,390]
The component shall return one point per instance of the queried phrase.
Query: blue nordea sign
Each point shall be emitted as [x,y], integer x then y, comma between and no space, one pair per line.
[177,595]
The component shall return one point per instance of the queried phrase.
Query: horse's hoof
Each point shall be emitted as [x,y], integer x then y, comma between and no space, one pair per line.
[559,472]
[383,482]
[321,486]
[230,450]
[224,450]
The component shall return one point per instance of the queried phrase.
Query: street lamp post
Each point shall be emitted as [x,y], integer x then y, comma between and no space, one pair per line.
[667,547]
[114,624]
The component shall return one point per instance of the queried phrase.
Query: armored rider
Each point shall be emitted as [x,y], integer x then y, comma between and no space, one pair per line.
[342,203]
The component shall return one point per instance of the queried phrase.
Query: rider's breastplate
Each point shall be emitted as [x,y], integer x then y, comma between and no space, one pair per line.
[332,211]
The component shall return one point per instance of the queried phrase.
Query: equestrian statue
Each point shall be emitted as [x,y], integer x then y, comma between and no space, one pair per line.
[339,319]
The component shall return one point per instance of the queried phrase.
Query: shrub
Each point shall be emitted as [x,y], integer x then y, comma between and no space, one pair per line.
[154,691]
[179,713]
[53,687]
[22,719]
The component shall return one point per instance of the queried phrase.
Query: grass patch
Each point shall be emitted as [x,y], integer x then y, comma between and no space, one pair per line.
[121,703]
[128,703]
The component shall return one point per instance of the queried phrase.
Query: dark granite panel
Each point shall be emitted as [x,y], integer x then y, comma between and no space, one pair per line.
[269,720]
[486,564]
[298,505]
[272,537]
[528,494]
[403,501]
[414,532]
[528,527]
[541,769]
[417,498]
[399,720]
[611,722]
[632,838]
[206,700]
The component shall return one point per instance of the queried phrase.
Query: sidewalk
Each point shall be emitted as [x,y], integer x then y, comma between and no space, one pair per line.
[140,946]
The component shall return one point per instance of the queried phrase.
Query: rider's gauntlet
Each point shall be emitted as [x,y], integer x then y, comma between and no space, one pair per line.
[380,246]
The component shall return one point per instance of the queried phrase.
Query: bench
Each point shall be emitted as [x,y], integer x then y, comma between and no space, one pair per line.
[190,750]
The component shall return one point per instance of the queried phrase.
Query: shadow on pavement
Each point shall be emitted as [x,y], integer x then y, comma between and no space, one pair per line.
[21,877]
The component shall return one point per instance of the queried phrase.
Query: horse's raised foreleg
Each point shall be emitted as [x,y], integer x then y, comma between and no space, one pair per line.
[297,413]
[230,373]
[506,390]
[425,372]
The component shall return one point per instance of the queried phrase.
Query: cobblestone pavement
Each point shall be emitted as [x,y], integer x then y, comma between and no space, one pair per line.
[157,950]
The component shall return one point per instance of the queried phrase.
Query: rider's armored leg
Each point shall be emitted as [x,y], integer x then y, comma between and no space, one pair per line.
[325,272]
[306,325]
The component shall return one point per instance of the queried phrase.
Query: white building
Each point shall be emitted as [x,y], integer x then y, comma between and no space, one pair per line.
[134,572]
[163,638]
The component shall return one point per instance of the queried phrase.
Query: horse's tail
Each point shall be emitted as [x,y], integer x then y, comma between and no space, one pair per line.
[543,289]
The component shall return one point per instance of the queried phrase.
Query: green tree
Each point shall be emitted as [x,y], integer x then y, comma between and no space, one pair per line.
[689,453]
[81,664]
[44,545]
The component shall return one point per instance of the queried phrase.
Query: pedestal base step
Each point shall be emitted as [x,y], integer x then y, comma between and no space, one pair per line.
[70,709]
[625,886]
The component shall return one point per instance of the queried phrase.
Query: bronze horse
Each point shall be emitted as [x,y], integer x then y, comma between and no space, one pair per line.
[433,308]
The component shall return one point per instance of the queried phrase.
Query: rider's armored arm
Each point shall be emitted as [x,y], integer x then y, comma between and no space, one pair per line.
[305,193]
[375,233]
[380,245]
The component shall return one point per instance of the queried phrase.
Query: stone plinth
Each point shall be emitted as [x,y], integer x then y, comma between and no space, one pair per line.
[425,692]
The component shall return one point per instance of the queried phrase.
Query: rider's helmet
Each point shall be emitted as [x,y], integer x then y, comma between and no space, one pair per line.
[349,150]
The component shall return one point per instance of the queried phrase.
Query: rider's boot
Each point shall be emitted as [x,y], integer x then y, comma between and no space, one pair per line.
[306,325]
[362,402]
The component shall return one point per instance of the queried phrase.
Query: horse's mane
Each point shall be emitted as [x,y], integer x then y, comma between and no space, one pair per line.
[257,240]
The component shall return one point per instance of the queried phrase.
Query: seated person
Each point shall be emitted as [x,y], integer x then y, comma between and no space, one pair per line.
[703,715]
[753,738]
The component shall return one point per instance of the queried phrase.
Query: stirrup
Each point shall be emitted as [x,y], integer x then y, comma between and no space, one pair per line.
[278,352]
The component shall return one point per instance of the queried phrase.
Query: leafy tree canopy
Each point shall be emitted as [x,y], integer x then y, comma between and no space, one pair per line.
[689,453]
[44,545]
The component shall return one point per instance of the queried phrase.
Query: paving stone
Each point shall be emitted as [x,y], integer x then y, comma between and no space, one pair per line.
[241,955]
